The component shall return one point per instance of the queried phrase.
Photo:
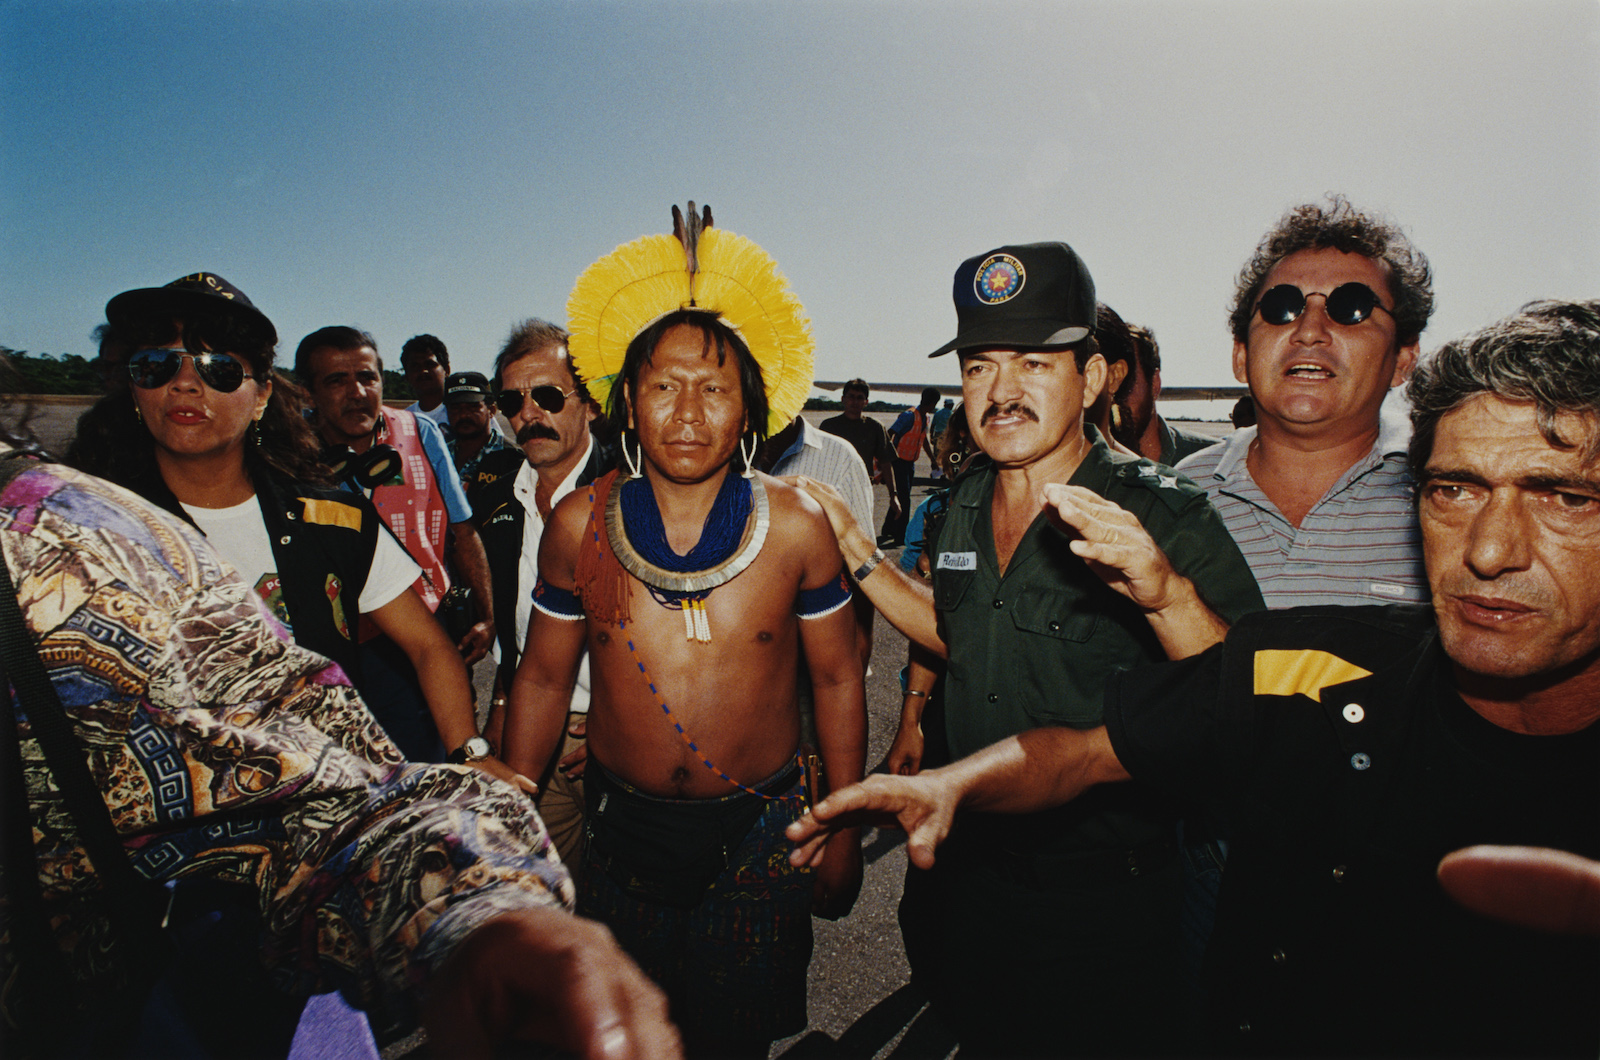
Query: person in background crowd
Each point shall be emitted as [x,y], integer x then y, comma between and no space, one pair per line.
[866,434]
[470,407]
[801,449]
[426,363]
[400,461]
[936,429]
[1116,346]
[907,438]
[1348,750]
[1326,319]
[1135,420]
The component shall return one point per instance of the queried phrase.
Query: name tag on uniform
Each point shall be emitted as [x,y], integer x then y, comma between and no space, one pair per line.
[957,561]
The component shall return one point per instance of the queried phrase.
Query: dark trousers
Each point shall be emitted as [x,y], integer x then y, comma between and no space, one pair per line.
[895,525]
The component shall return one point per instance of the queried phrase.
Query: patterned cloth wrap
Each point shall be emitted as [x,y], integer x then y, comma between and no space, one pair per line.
[227,753]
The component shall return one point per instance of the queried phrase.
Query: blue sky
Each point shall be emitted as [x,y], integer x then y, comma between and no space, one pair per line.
[451,167]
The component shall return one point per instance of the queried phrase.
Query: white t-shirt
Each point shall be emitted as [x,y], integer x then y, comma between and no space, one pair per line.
[240,535]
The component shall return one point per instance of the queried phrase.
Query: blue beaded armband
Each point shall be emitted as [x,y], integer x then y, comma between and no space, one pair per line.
[825,599]
[557,602]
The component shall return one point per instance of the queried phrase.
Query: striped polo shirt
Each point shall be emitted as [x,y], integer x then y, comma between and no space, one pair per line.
[1359,544]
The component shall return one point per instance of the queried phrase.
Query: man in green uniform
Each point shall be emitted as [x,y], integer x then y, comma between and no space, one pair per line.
[1051,933]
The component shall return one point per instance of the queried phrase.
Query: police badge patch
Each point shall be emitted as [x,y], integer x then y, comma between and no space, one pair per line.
[998,279]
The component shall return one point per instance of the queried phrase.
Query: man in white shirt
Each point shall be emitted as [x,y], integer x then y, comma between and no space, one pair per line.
[549,411]
[426,362]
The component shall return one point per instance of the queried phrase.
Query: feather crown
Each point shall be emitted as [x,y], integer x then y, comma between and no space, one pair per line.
[698,267]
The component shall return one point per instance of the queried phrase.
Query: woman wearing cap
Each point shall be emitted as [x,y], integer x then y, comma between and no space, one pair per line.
[207,430]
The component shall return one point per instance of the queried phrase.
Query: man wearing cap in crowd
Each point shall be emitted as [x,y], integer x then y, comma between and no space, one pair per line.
[698,586]
[1349,749]
[400,460]
[551,417]
[1054,932]
[426,363]
[477,435]
[1326,318]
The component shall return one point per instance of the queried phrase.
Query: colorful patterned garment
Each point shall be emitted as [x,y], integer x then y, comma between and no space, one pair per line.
[226,752]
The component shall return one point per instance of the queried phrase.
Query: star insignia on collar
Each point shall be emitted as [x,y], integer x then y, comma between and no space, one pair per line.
[1169,481]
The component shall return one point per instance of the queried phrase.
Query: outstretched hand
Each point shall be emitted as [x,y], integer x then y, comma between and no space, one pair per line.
[544,975]
[923,805]
[1115,545]
[1550,890]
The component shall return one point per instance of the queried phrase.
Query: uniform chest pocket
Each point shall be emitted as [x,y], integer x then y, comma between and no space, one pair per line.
[950,588]
[1059,616]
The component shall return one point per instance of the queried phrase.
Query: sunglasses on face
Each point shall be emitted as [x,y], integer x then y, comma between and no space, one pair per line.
[1347,304]
[549,398]
[157,367]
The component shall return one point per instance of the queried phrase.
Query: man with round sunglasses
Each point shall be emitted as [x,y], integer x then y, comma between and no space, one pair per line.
[550,413]
[1326,320]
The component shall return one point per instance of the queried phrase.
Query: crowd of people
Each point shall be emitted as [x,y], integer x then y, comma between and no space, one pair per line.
[1187,727]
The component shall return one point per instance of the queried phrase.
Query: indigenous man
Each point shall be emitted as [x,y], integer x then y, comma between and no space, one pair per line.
[1031,635]
[1345,750]
[695,582]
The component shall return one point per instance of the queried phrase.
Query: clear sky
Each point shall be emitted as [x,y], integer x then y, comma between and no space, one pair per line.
[451,166]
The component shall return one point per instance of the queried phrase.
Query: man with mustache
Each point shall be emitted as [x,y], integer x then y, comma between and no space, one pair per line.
[1326,319]
[550,412]
[470,405]
[1346,750]
[1054,932]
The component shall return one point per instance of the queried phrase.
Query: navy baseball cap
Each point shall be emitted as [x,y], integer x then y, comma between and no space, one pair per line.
[1029,296]
[200,290]
[463,388]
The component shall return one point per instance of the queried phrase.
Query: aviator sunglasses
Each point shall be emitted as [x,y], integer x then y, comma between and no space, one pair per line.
[1347,304]
[550,398]
[156,367]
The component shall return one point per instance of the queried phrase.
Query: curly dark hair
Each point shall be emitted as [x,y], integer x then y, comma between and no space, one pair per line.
[417,345]
[1340,226]
[1548,353]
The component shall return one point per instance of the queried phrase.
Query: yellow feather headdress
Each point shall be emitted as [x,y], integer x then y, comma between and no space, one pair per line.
[640,282]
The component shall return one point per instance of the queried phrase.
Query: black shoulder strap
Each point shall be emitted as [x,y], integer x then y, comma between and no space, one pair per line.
[128,895]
